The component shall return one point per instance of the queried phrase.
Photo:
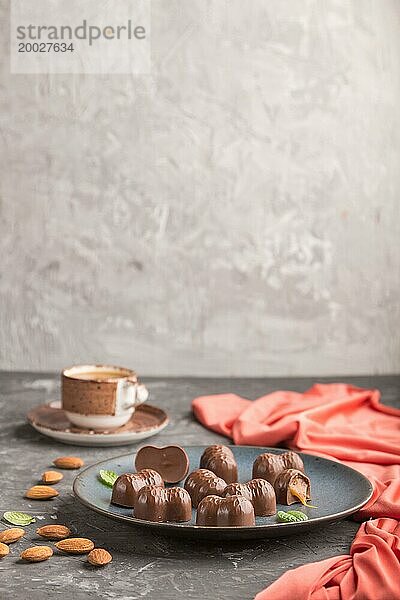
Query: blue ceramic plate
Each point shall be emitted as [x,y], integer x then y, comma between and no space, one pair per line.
[337,491]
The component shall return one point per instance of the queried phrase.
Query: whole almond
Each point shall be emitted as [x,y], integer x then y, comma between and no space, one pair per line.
[54,532]
[36,553]
[68,462]
[8,536]
[75,545]
[41,492]
[51,477]
[99,557]
[4,550]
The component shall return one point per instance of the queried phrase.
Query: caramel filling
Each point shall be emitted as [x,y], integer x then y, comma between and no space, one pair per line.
[298,489]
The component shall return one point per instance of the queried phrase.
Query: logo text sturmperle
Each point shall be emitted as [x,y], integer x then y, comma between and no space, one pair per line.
[81,32]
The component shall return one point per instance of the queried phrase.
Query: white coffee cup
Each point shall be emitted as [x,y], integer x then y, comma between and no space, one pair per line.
[100,397]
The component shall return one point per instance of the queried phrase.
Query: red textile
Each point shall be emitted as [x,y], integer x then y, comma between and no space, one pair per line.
[334,420]
[370,571]
[342,422]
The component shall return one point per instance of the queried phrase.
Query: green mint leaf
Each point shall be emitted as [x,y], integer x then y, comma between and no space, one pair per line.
[108,478]
[300,516]
[284,517]
[291,516]
[18,518]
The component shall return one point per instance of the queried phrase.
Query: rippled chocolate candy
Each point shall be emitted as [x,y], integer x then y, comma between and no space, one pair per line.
[260,493]
[126,488]
[171,462]
[292,486]
[234,511]
[221,461]
[202,483]
[163,504]
[268,466]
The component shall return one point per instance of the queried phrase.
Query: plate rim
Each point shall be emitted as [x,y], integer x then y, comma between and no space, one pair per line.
[114,441]
[170,526]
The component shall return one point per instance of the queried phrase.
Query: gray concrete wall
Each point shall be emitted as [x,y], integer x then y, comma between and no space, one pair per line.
[235,212]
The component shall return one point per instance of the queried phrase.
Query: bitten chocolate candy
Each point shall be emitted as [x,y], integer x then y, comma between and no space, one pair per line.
[220,460]
[202,483]
[292,486]
[268,466]
[163,504]
[127,486]
[234,511]
[260,493]
[171,462]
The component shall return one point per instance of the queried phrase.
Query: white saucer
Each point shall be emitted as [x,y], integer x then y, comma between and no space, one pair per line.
[50,420]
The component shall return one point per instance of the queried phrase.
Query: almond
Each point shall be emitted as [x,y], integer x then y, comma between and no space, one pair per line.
[75,545]
[99,557]
[8,536]
[36,553]
[41,492]
[68,462]
[50,477]
[53,532]
[4,550]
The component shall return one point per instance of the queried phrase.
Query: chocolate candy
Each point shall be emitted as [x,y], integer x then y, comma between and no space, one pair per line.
[126,488]
[202,483]
[233,511]
[171,462]
[268,466]
[260,493]
[292,486]
[220,460]
[159,504]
